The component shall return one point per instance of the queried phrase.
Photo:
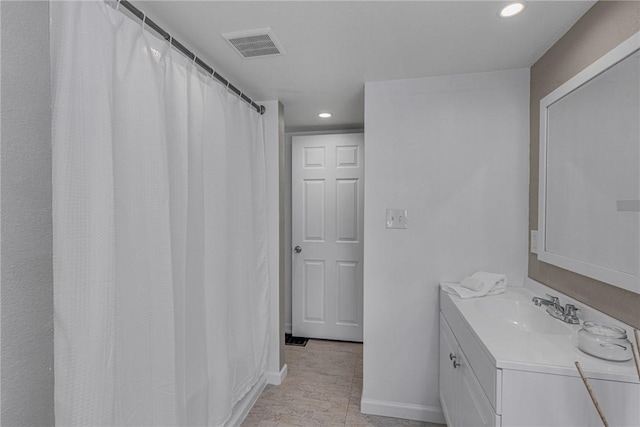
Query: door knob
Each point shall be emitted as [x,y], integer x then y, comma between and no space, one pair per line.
[297,249]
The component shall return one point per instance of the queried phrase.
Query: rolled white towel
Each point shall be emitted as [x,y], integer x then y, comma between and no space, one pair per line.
[477,285]
[472,283]
[481,281]
[457,290]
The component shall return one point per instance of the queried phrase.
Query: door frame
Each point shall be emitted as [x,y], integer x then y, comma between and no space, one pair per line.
[288,219]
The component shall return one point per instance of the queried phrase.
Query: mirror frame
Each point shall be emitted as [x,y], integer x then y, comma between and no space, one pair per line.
[603,274]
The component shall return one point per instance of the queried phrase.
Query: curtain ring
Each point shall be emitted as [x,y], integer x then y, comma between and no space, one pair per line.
[118,5]
[144,20]
[169,39]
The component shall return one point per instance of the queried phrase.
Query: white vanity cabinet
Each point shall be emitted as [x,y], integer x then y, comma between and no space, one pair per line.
[463,401]
[448,375]
[507,378]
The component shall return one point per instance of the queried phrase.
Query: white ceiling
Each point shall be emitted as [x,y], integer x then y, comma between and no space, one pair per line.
[334,47]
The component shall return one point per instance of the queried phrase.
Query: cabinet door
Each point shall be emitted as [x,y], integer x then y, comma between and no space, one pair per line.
[472,406]
[448,346]
[524,393]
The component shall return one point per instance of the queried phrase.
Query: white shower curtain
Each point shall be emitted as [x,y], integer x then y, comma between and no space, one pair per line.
[160,269]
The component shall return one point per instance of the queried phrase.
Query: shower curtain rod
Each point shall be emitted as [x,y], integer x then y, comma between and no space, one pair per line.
[142,16]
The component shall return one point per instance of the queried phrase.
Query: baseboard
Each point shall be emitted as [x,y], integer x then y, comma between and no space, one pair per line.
[288,328]
[242,408]
[445,412]
[275,377]
[429,414]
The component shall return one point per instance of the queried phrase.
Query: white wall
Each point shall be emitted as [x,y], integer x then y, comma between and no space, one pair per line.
[271,120]
[25,233]
[452,150]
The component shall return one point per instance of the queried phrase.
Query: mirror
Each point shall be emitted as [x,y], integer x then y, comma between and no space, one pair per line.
[589,190]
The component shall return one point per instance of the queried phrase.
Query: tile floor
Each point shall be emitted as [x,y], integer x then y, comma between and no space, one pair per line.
[322,388]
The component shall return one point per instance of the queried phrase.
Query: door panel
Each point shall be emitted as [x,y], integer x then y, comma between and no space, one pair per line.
[347,156]
[347,205]
[314,291]
[327,199]
[314,157]
[348,280]
[313,209]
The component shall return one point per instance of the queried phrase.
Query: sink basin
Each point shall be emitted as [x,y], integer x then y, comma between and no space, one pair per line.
[521,315]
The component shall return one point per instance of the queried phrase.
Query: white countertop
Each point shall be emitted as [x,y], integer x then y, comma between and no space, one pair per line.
[512,348]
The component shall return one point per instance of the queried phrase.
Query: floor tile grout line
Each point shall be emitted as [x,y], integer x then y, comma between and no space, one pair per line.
[348,397]
[336,356]
[353,378]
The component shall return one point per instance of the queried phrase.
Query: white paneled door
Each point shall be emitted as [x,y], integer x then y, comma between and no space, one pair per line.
[328,199]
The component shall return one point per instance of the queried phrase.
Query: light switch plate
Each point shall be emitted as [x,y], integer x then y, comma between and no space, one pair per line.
[534,241]
[397,218]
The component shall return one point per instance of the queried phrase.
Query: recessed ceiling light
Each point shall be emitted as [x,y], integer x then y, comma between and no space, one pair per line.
[324,115]
[511,9]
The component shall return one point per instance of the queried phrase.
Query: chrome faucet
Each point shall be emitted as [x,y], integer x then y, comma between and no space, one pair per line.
[553,301]
[571,314]
[568,313]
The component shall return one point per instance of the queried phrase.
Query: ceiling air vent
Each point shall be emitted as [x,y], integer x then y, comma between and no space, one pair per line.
[254,43]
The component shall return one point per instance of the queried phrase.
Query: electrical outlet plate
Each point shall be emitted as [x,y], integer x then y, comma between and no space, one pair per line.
[397,218]
[534,241]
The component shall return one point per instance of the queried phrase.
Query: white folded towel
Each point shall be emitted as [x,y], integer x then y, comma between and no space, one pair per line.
[481,280]
[478,284]
[472,283]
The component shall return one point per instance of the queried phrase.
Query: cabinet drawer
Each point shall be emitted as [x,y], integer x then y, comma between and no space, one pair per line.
[489,377]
